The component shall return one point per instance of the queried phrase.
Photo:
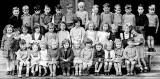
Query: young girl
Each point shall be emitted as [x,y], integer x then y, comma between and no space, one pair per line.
[114,32]
[152,27]
[126,34]
[87,56]
[50,36]
[26,18]
[82,13]
[53,57]
[90,33]
[118,56]
[43,59]
[77,33]
[77,58]
[103,35]
[23,58]
[35,56]
[140,42]
[131,56]
[14,48]
[117,17]
[37,36]
[95,17]
[6,44]
[109,57]
[98,58]
[26,36]
[62,34]
[66,56]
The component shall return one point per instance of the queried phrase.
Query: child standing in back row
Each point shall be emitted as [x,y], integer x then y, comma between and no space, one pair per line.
[152,27]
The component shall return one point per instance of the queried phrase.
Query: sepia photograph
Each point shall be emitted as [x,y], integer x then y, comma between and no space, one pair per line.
[80,39]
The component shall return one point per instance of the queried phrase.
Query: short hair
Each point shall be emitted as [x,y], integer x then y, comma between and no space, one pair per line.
[81,4]
[117,6]
[58,6]
[95,6]
[90,22]
[141,5]
[15,8]
[36,26]
[25,7]
[66,41]
[99,44]
[88,41]
[69,5]
[152,6]
[37,7]
[128,6]
[47,6]
[24,27]
[101,27]
[50,25]
[106,5]
[78,19]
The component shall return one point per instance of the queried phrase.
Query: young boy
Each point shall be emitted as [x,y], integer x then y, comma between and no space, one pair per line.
[45,18]
[95,17]
[35,18]
[141,19]
[106,16]
[128,17]
[26,18]
[152,27]
[15,19]
[66,56]
[23,58]
[70,17]
[57,18]
[117,17]
[87,56]
[131,56]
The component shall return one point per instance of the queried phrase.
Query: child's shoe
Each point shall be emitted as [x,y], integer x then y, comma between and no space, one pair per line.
[33,73]
[145,69]
[53,74]
[8,73]
[64,74]
[98,74]
[39,75]
[128,73]
[153,50]
[80,73]
[131,74]
[44,74]
[120,73]
[76,73]
[20,76]
[95,74]
[68,74]
[149,50]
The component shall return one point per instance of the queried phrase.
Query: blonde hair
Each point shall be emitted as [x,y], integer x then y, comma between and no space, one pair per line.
[81,4]
[90,22]
[25,7]
[7,26]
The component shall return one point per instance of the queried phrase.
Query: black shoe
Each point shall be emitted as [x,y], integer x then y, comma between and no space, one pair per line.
[98,74]
[8,73]
[153,50]
[149,49]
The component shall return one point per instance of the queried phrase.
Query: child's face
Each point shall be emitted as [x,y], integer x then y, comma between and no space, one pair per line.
[51,29]
[58,11]
[134,32]
[118,10]
[16,34]
[47,10]
[140,10]
[128,10]
[130,43]
[37,12]
[105,27]
[88,45]
[35,48]
[106,9]
[109,46]
[54,45]
[77,45]
[25,11]
[22,46]
[91,26]
[81,7]
[63,26]
[66,45]
[77,24]
[15,12]
[118,45]
[69,9]
[24,30]
[98,47]
[9,30]
[43,47]
[37,30]
[114,30]
[151,11]
[95,10]
[126,29]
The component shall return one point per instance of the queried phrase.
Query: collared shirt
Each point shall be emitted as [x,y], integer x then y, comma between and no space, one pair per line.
[35,18]
[15,21]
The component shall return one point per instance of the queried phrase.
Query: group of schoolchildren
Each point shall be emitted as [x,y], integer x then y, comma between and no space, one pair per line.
[80,40]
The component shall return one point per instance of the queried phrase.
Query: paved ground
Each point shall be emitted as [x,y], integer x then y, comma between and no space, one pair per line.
[154,74]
